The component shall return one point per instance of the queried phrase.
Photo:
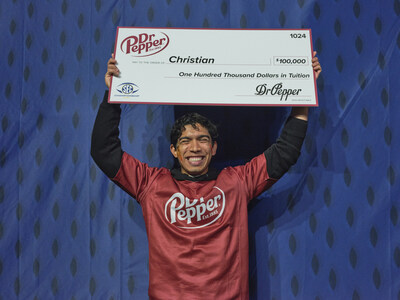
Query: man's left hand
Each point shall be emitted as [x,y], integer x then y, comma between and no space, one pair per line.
[316,65]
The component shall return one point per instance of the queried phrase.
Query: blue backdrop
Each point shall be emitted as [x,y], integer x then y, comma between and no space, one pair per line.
[328,230]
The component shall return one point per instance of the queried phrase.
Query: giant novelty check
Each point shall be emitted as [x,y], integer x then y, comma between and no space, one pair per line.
[214,67]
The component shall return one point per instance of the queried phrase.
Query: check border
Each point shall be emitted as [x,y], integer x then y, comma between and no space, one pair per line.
[111,98]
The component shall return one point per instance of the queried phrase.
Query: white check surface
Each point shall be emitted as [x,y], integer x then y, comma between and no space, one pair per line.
[214,67]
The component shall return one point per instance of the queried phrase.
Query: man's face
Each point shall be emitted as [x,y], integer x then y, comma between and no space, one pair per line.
[194,150]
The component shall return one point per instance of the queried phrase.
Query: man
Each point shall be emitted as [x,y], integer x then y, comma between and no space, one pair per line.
[196,217]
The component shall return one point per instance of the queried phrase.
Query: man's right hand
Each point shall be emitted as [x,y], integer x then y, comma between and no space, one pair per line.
[112,70]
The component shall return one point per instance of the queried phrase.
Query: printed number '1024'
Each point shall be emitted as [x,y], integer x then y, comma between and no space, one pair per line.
[298,35]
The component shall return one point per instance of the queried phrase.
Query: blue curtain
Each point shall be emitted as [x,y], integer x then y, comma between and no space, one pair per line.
[329,229]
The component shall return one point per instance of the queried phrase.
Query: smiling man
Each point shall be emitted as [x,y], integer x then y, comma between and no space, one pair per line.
[195,216]
[193,143]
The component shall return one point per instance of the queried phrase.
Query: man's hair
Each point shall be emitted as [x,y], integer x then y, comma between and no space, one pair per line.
[192,119]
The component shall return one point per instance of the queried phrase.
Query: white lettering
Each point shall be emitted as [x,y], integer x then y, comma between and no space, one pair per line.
[181,208]
[200,210]
[174,199]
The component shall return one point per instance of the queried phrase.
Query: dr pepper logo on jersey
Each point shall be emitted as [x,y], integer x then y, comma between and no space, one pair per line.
[195,213]
[144,44]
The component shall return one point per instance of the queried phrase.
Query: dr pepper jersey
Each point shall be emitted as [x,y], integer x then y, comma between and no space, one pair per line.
[197,230]
[196,227]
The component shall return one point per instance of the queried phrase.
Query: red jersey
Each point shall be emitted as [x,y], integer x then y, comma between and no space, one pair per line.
[197,230]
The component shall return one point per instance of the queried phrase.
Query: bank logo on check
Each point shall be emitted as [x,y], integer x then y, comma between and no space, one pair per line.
[127,88]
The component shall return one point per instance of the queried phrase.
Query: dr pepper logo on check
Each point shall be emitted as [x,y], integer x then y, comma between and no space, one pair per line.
[145,44]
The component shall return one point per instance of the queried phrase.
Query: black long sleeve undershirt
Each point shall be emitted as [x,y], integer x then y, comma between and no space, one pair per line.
[106,148]
[286,150]
[107,152]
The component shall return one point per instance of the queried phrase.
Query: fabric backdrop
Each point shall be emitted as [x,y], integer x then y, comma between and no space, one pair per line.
[328,230]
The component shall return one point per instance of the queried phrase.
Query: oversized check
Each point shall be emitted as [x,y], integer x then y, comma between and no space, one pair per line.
[214,67]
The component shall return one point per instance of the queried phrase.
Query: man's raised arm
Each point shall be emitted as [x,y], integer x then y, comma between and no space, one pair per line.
[106,148]
[285,152]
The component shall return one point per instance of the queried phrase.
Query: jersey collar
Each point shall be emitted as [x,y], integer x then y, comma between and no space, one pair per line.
[212,174]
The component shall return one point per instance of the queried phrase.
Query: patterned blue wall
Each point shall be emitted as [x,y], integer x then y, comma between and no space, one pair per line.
[328,230]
